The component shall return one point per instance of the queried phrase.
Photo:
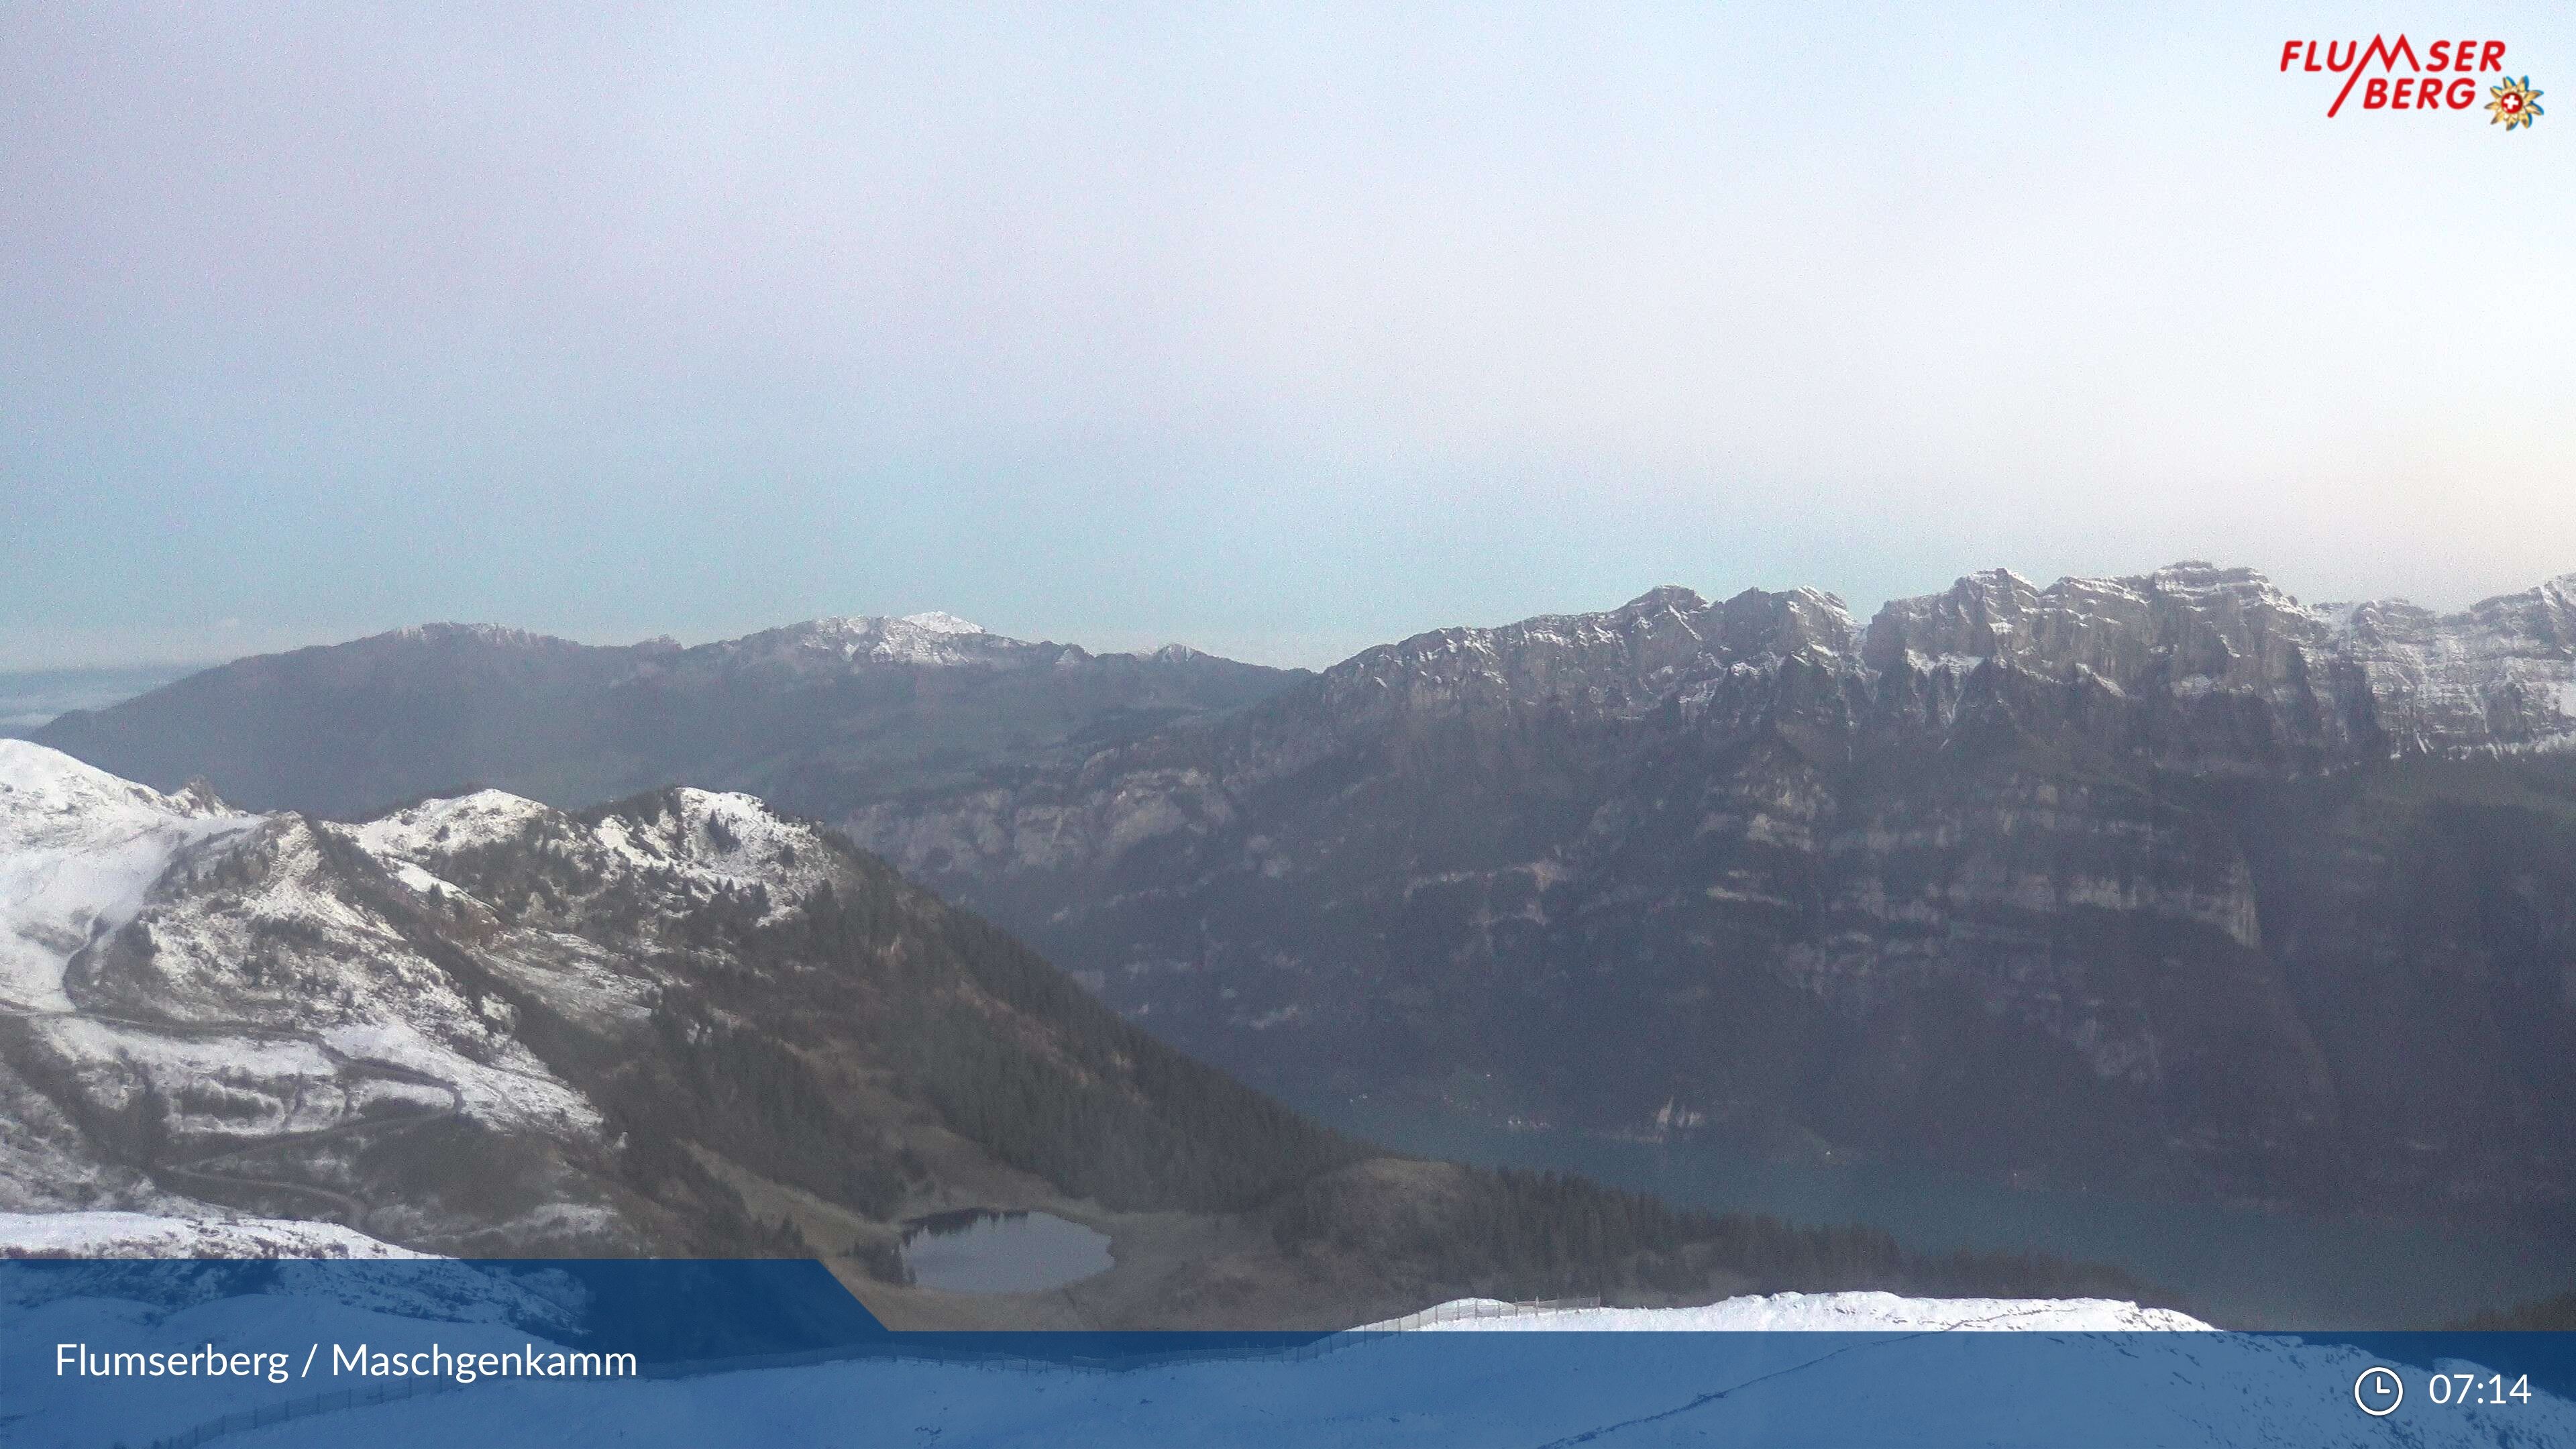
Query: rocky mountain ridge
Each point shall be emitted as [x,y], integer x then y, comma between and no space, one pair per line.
[2346,679]
[2124,882]
[264,1006]
[819,716]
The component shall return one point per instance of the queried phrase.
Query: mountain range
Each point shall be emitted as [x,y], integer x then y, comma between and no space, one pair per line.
[818,717]
[682,1024]
[2168,883]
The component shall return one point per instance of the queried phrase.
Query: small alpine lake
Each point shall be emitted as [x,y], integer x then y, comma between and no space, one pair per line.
[995,1250]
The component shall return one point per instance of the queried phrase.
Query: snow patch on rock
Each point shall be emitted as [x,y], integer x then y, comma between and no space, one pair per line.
[727,841]
[437,828]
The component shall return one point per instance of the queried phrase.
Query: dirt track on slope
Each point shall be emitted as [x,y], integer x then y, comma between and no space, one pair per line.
[350,1211]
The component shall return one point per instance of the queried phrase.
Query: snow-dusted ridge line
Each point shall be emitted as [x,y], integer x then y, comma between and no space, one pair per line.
[2389,675]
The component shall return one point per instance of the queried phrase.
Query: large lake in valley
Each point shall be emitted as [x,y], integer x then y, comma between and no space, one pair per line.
[2240,1267]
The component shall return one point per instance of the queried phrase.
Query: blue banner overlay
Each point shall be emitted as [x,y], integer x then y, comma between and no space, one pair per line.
[777,1353]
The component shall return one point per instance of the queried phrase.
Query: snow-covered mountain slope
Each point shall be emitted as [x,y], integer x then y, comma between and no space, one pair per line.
[254,1009]
[476,1023]
[144,1235]
[1807,1313]
[207,1011]
[78,850]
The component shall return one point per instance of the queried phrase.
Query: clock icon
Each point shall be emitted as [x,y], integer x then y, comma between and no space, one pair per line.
[2378,1391]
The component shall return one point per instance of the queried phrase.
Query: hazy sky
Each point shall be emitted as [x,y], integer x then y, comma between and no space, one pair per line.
[1277,331]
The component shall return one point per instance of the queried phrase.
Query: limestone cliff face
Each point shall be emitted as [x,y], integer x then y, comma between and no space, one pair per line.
[2116,880]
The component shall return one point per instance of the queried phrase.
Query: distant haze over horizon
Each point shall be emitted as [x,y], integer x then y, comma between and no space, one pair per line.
[1278,333]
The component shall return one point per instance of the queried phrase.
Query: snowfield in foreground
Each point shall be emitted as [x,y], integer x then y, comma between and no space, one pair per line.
[1518,1391]
[144,1235]
[1894,1376]
[1812,1312]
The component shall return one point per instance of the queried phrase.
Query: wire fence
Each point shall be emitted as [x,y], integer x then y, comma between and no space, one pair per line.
[303,1408]
[1474,1308]
[901,1348]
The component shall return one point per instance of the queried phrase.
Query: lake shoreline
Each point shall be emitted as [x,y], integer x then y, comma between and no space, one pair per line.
[2239,1266]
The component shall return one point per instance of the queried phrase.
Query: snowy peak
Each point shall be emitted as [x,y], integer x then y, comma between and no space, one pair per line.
[1758,625]
[2501,674]
[2230,624]
[500,635]
[821,651]
[1663,598]
[440,828]
[345,983]
[2384,676]
[677,845]
[2203,579]
[46,795]
[80,850]
[843,645]
[724,840]
[1618,662]
[937,622]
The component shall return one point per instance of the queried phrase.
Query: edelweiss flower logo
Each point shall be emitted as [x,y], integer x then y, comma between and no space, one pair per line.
[2515,103]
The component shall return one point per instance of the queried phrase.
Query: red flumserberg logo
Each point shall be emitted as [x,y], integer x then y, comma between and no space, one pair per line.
[2449,75]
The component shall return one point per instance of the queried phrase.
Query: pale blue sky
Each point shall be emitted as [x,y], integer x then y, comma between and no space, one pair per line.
[1277,331]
